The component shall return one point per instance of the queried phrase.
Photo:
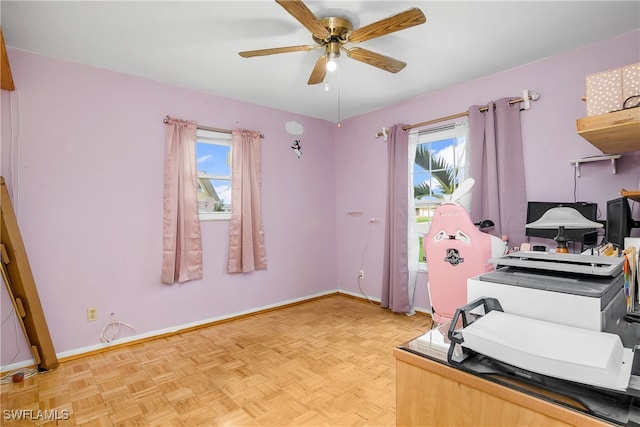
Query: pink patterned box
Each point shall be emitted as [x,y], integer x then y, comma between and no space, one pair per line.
[607,90]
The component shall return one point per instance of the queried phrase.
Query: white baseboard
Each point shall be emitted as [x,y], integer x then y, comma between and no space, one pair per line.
[201,323]
[19,365]
[171,330]
[362,296]
[357,295]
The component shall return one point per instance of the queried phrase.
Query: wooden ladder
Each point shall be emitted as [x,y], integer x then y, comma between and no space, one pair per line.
[18,278]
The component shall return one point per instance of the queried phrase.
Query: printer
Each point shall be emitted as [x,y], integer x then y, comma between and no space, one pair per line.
[584,291]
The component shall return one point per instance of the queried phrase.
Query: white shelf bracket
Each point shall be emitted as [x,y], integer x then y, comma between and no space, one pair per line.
[527,97]
[611,157]
[526,100]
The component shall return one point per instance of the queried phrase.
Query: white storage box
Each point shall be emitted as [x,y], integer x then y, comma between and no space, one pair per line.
[607,90]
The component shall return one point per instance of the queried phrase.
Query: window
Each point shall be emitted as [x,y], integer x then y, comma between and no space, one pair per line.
[213,160]
[439,166]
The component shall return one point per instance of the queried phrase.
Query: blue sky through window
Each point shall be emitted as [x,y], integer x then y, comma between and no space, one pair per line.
[212,159]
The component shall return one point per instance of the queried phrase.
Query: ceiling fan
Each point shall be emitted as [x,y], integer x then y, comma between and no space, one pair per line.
[333,32]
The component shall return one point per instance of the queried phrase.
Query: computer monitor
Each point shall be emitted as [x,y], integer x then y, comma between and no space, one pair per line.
[536,209]
[619,221]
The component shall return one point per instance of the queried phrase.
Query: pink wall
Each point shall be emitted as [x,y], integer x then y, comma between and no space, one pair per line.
[89,187]
[548,133]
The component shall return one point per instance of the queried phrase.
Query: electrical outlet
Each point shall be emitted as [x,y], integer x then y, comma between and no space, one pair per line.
[92,314]
[360,274]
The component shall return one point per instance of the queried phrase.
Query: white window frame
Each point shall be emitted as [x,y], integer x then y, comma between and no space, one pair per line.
[204,136]
[460,132]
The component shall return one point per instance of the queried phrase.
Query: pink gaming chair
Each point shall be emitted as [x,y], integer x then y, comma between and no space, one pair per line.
[456,250]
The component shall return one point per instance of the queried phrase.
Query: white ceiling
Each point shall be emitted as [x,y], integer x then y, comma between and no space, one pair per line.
[195,44]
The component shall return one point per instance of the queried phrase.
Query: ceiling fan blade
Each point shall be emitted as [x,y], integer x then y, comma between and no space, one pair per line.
[319,71]
[274,50]
[401,21]
[377,60]
[301,12]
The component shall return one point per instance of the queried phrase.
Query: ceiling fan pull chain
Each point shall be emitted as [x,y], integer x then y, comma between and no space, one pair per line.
[338,98]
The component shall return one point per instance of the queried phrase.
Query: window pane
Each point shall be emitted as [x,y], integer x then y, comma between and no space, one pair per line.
[213,159]
[214,195]
[440,166]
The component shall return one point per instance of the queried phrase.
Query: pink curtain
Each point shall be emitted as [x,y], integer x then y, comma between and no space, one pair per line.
[246,233]
[497,166]
[182,246]
[395,278]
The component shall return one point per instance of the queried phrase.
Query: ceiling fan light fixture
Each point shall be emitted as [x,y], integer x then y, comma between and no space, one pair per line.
[333,51]
[333,28]
[332,65]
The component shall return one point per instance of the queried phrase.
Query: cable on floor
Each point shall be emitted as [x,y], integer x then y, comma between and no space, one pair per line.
[18,375]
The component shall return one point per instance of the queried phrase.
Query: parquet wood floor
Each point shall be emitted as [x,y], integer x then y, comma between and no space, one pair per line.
[326,362]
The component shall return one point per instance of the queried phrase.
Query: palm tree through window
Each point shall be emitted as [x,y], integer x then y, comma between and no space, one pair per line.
[439,166]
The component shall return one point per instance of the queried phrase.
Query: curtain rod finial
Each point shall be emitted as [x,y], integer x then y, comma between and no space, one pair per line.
[384,132]
[527,97]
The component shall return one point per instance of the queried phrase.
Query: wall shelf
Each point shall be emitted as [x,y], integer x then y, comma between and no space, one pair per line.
[6,79]
[633,195]
[611,157]
[612,133]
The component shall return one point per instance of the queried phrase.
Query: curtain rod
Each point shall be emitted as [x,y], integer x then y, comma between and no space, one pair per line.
[209,128]
[530,96]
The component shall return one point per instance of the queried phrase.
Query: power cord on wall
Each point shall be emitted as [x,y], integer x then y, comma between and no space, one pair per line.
[364,251]
[15,324]
[575,186]
[14,147]
[111,329]
[16,375]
